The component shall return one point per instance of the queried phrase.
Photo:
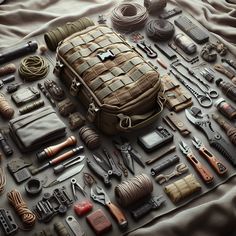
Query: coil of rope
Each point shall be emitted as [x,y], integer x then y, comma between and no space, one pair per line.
[129,17]
[6,110]
[33,68]
[53,37]
[134,189]
[160,30]
[27,216]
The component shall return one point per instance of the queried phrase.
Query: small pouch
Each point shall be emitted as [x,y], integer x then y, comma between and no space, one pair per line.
[32,130]
[177,98]
[182,188]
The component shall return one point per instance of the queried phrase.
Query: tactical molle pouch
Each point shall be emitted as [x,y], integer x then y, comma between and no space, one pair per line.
[121,91]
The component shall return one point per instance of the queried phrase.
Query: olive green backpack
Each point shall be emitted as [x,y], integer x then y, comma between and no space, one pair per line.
[119,88]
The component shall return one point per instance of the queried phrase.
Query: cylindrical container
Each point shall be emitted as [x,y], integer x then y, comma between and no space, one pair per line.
[185,43]
[225,108]
[227,88]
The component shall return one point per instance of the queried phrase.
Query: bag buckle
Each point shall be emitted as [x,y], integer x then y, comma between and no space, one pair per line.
[58,68]
[74,88]
[92,111]
[125,121]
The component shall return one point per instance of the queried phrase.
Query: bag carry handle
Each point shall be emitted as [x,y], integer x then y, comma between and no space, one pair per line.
[125,123]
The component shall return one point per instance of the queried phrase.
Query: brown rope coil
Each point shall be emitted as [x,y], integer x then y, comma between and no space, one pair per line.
[6,110]
[134,189]
[129,17]
[7,69]
[16,200]
[33,68]
[2,180]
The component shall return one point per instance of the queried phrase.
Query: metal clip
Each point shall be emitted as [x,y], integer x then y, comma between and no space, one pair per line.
[58,68]
[74,88]
[92,110]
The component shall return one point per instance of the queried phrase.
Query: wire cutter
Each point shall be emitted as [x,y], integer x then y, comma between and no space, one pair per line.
[104,169]
[204,173]
[75,185]
[128,154]
[218,166]
[203,122]
[101,196]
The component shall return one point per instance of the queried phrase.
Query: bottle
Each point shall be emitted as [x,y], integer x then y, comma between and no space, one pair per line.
[227,88]
[225,108]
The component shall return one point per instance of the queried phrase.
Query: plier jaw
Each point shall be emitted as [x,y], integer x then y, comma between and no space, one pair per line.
[184,148]
[197,142]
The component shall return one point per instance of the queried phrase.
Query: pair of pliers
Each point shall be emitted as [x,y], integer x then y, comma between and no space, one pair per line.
[99,195]
[104,169]
[217,165]
[203,172]
[202,122]
[75,185]
[128,154]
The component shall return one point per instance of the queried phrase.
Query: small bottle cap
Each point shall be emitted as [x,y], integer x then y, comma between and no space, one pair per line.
[220,100]
[218,81]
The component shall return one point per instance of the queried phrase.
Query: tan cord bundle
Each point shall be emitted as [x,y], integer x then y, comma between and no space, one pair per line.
[180,189]
[129,17]
[7,69]
[33,68]
[134,189]
[6,110]
[2,180]
[16,200]
[53,37]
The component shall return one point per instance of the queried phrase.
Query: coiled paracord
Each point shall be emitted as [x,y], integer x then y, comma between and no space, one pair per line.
[2,180]
[134,189]
[129,17]
[33,68]
[53,37]
[27,216]
[160,30]
[6,110]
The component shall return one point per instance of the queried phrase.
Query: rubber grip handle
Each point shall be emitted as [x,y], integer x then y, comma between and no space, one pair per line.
[204,173]
[225,149]
[118,215]
[218,166]
[141,211]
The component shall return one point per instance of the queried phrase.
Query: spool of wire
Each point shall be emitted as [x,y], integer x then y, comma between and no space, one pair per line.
[33,68]
[129,17]
[53,37]
[133,190]
[160,30]
[154,6]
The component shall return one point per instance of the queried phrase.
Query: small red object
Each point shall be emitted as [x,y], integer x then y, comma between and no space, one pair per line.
[83,207]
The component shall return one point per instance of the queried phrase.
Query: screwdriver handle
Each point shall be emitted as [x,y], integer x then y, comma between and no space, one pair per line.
[66,155]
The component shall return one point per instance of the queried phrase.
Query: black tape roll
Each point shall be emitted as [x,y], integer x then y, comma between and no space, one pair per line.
[160,30]
[33,186]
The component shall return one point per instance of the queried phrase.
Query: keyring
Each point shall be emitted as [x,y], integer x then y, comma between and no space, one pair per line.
[204,100]
[212,93]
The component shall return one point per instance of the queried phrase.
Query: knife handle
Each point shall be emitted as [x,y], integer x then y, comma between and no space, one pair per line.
[204,173]
[118,214]
[218,166]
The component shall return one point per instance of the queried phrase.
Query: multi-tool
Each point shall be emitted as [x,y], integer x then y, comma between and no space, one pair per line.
[104,168]
[203,122]
[203,172]
[218,166]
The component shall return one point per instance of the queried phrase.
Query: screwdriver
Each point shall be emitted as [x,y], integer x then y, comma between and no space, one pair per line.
[60,168]
[56,160]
